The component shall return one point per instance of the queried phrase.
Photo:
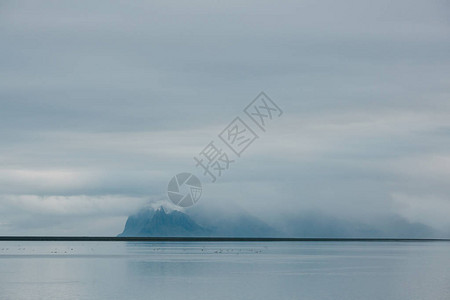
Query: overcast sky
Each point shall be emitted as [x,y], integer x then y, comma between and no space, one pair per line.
[102,102]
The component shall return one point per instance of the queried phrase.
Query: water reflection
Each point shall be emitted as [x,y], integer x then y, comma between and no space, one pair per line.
[253,270]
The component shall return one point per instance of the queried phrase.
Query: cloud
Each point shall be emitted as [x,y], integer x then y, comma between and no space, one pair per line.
[430,209]
[71,215]
[101,103]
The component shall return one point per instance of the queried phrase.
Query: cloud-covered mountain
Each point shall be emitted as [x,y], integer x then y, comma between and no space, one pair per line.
[150,222]
[166,222]
[318,225]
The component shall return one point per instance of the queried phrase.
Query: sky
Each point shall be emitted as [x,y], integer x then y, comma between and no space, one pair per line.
[102,102]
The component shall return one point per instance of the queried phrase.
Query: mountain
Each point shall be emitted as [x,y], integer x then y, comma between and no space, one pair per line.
[317,225]
[239,223]
[149,222]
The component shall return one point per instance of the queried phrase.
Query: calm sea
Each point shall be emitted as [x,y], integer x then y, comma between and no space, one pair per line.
[225,270]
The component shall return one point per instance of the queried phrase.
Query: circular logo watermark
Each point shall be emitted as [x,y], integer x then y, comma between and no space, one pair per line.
[184,189]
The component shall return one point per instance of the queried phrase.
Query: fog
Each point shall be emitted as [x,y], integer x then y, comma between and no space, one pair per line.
[102,103]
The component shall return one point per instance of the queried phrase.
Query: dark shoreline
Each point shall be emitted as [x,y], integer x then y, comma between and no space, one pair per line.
[205,239]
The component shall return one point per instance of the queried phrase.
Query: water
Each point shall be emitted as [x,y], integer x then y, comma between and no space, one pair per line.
[232,270]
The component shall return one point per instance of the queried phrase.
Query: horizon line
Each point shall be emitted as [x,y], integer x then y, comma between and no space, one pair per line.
[211,239]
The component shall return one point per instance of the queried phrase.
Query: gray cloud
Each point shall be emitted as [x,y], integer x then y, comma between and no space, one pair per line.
[107,100]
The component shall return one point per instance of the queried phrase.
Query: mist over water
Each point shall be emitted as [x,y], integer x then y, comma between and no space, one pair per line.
[230,270]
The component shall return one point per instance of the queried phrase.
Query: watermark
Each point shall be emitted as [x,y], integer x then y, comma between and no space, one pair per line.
[238,136]
[185,189]
[262,110]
